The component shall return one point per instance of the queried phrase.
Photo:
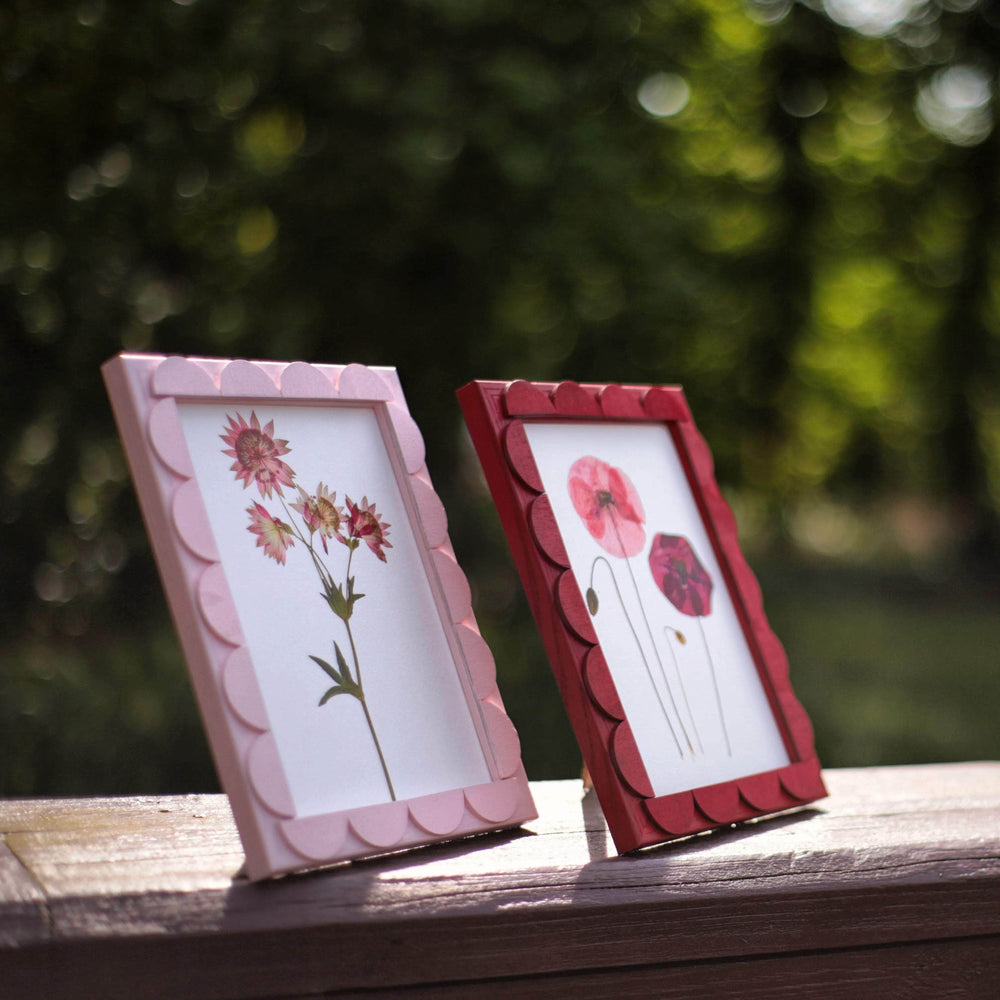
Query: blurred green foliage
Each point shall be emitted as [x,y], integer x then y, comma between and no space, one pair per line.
[790,208]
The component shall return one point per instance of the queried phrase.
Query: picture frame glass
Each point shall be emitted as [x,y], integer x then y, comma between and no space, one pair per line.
[660,605]
[283,559]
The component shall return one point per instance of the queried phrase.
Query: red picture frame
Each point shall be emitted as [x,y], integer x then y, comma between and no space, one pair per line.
[709,764]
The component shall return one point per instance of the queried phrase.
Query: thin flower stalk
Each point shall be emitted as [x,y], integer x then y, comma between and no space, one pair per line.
[612,513]
[682,579]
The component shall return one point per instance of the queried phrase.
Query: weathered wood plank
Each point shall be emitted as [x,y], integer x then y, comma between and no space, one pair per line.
[23,914]
[146,887]
[960,970]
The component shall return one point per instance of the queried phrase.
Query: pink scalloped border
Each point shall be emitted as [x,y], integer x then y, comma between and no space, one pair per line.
[659,818]
[144,390]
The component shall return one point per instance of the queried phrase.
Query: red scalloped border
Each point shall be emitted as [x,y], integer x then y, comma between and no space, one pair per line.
[684,813]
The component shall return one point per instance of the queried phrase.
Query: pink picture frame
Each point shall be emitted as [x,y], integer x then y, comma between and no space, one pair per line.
[676,687]
[349,699]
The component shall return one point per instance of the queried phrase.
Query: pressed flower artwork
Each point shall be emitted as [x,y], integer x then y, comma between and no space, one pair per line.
[650,582]
[314,514]
[348,697]
[318,550]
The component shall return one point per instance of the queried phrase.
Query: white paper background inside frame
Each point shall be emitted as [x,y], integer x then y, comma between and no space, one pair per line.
[682,667]
[418,708]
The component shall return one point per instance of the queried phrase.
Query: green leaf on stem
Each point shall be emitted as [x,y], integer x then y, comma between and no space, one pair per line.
[332,692]
[330,670]
[345,670]
[340,605]
[351,596]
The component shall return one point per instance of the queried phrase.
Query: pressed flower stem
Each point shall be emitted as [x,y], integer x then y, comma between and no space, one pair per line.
[715,685]
[638,643]
[656,652]
[378,747]
[364,704]
[327,579]
[680,678]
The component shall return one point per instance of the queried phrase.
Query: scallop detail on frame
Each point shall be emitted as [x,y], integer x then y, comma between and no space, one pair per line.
[601,686]
[571,399]
[216,605]
[504,740]
[191,522]
[799,726]
[720,803]
[545,531]
[662,403]
[572,608]
[432,513]
[438,814]
[455,586]
[182,377]
[519,456]
[479,661]
[301,381]
[802,780]
[316,838]
[239,682]
[494,803]
[411,441]
[382,825]
[167,442]
[628,762]
[359,382]
[241,378]
[763,792]
[267,776]
[617,402]
[523,399]
[674,814]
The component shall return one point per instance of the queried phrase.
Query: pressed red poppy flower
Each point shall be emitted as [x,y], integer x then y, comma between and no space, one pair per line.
[364,523]
[258,454]
[609,505]
[680,576]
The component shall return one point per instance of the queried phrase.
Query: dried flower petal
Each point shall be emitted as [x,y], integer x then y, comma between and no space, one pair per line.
[609,505]
[257,453]
[680,576]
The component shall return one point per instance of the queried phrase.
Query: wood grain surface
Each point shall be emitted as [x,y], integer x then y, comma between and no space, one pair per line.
[888,888]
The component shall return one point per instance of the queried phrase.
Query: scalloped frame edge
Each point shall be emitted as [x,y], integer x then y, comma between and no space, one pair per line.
[144,390]
[495,413]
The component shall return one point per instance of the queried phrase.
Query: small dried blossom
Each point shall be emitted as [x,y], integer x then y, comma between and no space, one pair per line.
[364,524]
[273,535]
[321,514]
[258,454]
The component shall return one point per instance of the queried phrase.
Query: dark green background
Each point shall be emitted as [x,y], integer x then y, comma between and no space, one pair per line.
[789,211]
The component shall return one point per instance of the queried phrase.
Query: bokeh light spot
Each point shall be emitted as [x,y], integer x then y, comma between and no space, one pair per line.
[955,105]
[663,95]
[256,231]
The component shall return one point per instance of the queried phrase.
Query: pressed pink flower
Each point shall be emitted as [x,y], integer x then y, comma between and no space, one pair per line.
[364,523]
[273,535]
[257,453]
[679,574]
[321,514]
[609,505]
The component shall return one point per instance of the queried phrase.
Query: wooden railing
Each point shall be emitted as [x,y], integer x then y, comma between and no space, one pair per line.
[890,889]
